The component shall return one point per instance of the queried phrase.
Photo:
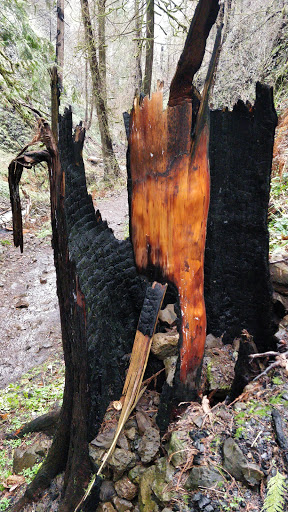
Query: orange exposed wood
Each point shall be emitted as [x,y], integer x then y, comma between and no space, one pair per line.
[169,208]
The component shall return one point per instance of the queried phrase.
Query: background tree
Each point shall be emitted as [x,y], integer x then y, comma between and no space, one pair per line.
[149,44]
[111,167]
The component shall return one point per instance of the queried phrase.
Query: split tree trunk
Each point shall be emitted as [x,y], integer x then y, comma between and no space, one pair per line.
[170,180]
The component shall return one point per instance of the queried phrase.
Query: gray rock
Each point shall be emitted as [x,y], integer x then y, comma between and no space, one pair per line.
[135,473]
[203,476]
[234,458]
[126,489]
[23,459]
[213,342]
[163,476]
[121,461]
[252,474]
[170,364]
[279,267]
[107,490]
[41,448]
[96,455]
[105,507]
[22,304]
[235,463]
[143,421]
[165,344]
[122,505]
[168,314]
[178,448]
[146,502]
[149,445]
[131,433]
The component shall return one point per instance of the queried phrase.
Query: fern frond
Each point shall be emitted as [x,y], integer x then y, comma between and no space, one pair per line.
[275,499]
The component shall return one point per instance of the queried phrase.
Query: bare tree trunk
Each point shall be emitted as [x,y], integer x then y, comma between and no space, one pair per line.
[138,47]
[60,42]
[102,47]
[88,99]
[111,167]
[149,47]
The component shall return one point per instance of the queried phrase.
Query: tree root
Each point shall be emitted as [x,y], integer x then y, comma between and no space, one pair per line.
[45,423]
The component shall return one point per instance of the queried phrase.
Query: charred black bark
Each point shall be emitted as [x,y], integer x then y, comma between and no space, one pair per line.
[113,291]
[238,293]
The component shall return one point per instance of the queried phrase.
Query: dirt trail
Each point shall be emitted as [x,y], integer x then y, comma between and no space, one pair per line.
[29,314]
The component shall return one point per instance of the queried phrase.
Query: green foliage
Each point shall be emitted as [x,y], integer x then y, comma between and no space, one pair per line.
[277,381]
[24,58]
[275,499]
[278,219]
[4,504]
[29,473]
[233,504]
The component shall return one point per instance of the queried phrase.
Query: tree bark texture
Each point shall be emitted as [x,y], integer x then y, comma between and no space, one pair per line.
[60,42]
[138,46]
[149,47]
[102,46]
[111,167]
[238,292]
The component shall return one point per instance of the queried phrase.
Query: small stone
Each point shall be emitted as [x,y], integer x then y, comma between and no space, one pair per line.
[198,459]
[131,433]
[209,508]
[168,314]
[149,445]
[43,280]
[203,502]
[121,461]
[107,490]
[163,476]
[135,473]
[203,476]
[234,458]
[198,420]
[96,455]
[122,505]
[126,489]
[42,447]
[179,447]
[23,459]
[22,304]
[146,502]
[105,507]
[165,344]
[213,342]
[252,474]
[235,463]
[143,421]
[170,364]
